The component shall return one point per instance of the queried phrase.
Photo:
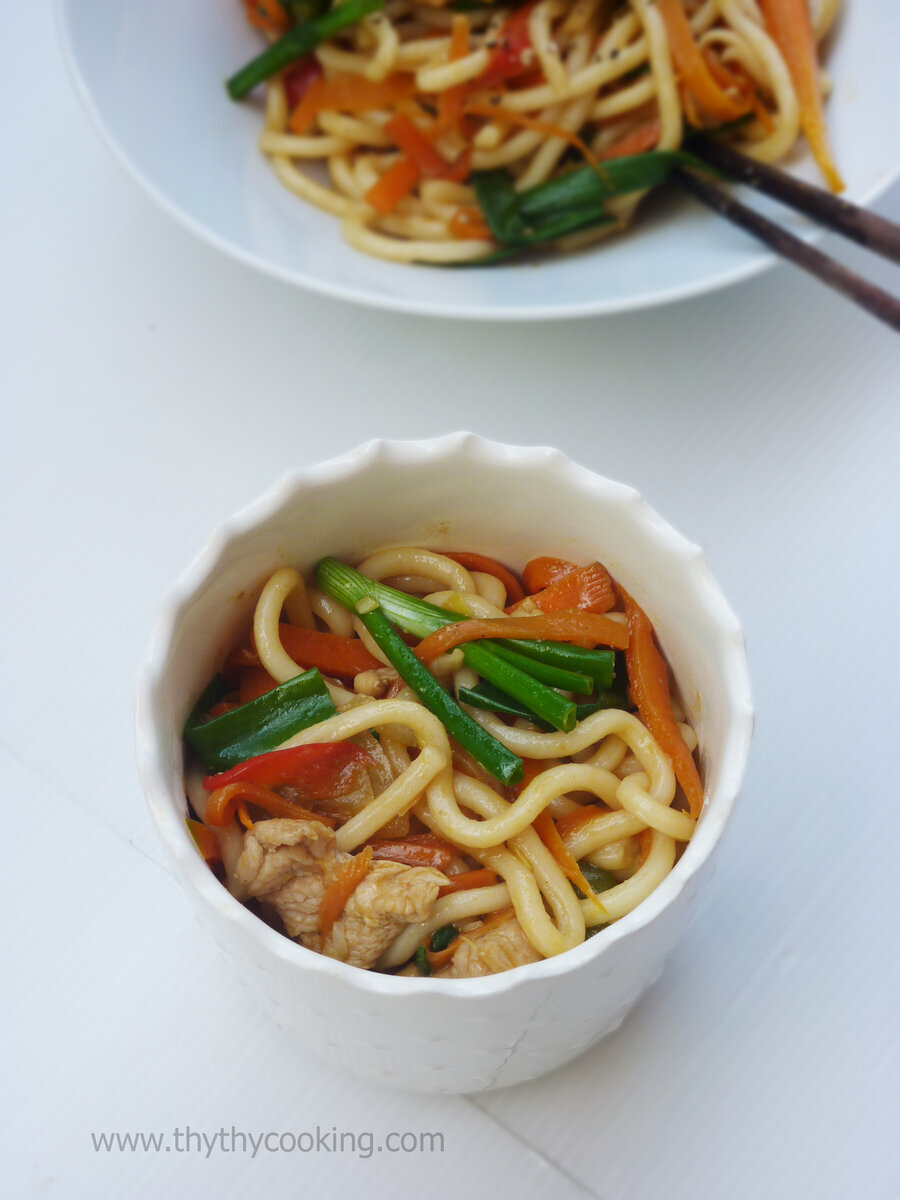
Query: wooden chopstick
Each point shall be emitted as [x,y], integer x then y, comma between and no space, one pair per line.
[875,300]
[851,221]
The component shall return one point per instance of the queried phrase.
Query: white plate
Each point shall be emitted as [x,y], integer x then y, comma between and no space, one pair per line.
[151,74]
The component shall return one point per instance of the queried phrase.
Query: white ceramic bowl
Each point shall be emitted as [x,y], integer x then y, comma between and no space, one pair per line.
[152,76]
[463,492]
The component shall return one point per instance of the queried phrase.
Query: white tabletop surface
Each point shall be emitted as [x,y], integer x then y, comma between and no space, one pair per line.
[151,387]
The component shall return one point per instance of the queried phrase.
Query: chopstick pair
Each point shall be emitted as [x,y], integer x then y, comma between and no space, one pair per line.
[874,233]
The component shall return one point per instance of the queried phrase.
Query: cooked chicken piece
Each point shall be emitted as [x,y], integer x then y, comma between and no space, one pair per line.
[290,863]
[391,896]
[488,947]
[283,863]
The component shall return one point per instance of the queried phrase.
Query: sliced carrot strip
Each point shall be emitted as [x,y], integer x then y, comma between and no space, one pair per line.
[267,15]
[692,66]
[498,113]
[341,887]
[416,146]
[397,181]
[639,141]
[205,840]
[440,958]
[649,680]
[468,224]
[489,566]
[645,841]
[450,101]
[349,93]
[331,653]
[790,25]
[588,589]
[222,804]
[466,880]
[255,682]
[549,835]
[541,572]
[417,850]
[581,628]
[578,817]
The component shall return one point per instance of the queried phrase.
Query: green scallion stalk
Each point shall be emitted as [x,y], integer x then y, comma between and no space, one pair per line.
[423,966]
[258,726]
[556,677]
[493,700]
[485,749]
[540,700]
[600,665]
[600,880]
[300,40]
[441,938]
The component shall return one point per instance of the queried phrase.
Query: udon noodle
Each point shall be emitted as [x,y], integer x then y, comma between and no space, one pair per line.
[389,833]
[424,121]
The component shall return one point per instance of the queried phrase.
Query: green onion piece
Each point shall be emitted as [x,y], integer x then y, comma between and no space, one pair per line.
[494,757]
[441,938]
[511,226]
[589,187]
[600,880]
[348,587]
[261,725]
[541,700]
[296,42]
[423,966]
[557,677]
[493,700]
[599,664]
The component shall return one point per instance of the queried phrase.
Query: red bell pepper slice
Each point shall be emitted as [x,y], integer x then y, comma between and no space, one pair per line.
[513,40]
[319,771]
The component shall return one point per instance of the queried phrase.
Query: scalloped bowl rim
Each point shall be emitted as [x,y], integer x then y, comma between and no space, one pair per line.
[193,870]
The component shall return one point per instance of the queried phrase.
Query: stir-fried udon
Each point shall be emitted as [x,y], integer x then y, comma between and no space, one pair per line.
[456,131]
[429,764]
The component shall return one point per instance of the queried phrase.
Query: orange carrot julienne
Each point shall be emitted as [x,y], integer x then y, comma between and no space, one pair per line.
[205,840]
[498,113]
[581,628]
[397,181]
[645,841]
[489,566]
[255,682]
[578,817]
[450,102]
[416,850]
[440,958]
[416,146]
[331,653]
[790,25]
[221,805]
[589,589]
[344,882]
[468,224]
[540,572]
[549,835]
[267,15]
[466,880]
[639,141]
[349,93]
[649,680]
[692,66]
